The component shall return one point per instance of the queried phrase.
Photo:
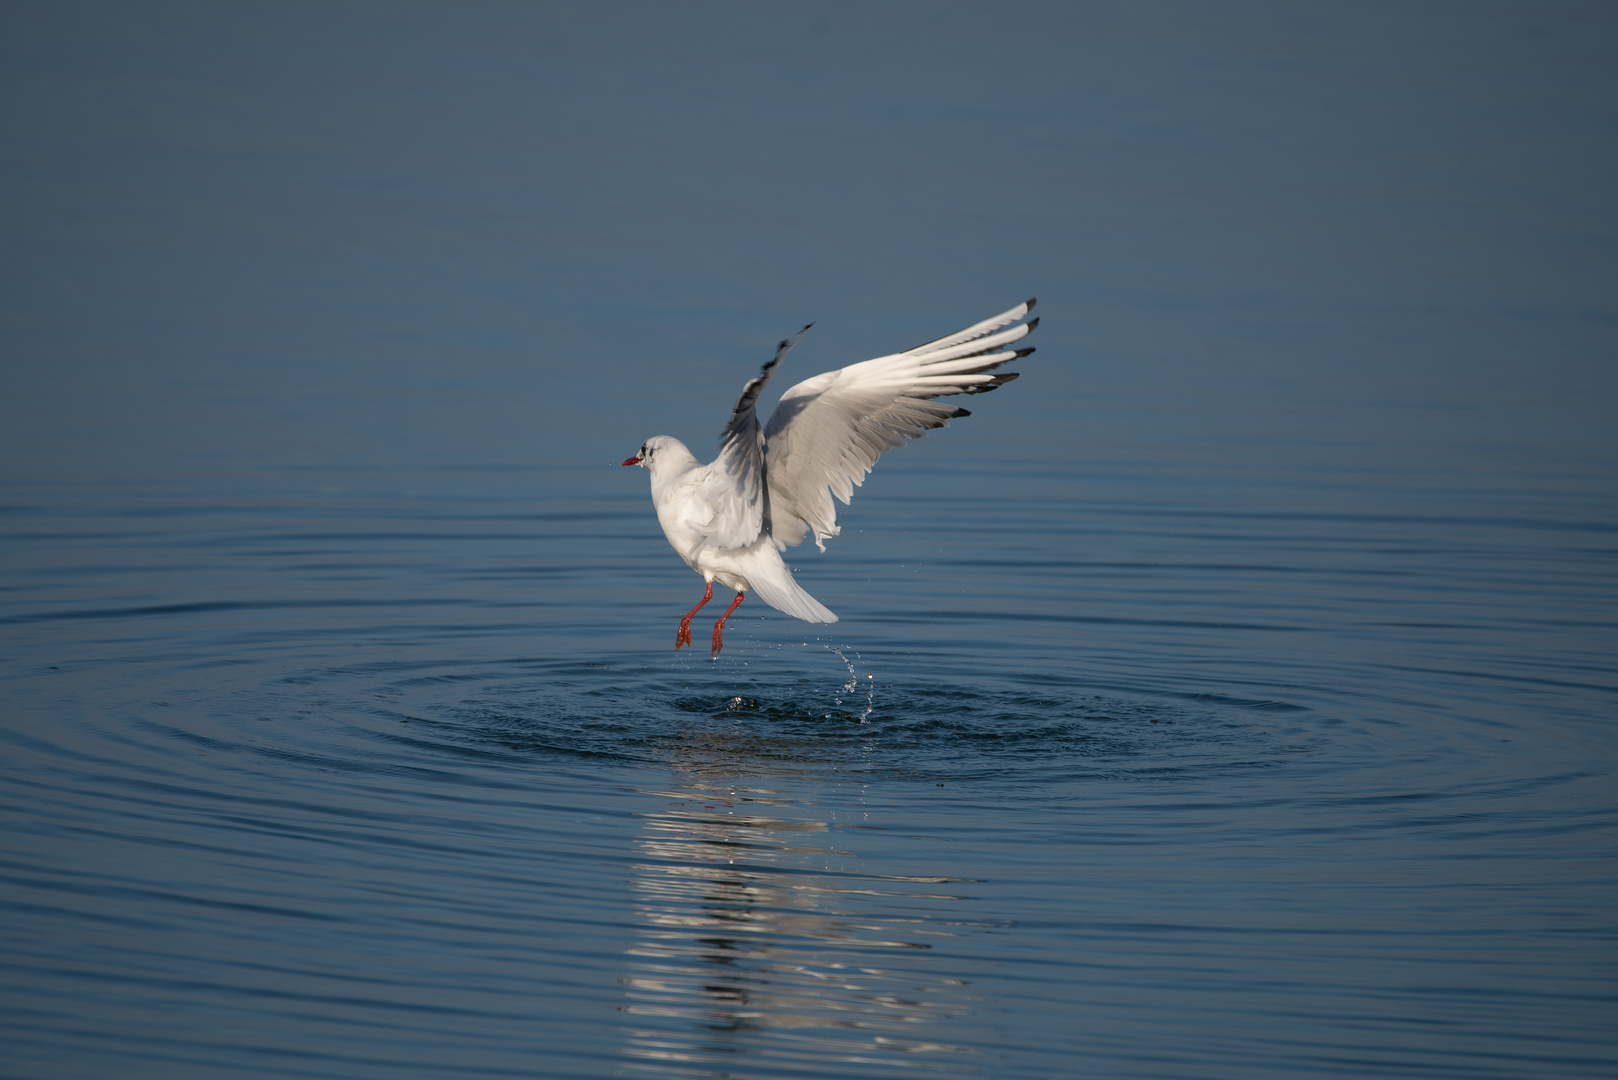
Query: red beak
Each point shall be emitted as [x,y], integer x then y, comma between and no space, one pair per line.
[633,461]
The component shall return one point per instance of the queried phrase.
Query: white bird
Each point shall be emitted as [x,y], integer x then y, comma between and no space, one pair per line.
[731,518]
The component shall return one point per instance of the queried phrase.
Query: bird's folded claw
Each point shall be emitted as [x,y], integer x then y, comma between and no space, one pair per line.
[683,635]
[719,627]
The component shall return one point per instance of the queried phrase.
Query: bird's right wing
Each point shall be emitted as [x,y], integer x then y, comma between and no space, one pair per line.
[828,431]
[735,488]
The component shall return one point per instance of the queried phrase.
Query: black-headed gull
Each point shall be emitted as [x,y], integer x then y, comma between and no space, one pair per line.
[731,519]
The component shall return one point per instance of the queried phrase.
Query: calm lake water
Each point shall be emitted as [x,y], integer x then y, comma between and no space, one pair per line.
[1232,696]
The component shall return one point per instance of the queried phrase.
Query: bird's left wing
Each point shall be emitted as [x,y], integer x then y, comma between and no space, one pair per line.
[828,431]
[737,487]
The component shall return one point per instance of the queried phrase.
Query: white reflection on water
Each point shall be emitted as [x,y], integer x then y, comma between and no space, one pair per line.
[761,952]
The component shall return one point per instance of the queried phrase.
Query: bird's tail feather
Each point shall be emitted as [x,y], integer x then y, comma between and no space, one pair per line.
[783,594]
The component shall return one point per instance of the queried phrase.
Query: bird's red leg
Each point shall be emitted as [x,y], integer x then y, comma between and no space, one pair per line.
[719,627]
[684,635]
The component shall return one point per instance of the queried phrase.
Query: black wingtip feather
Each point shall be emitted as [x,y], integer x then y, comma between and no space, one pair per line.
[1032,323]
[787,341]
[1031,301]
[993,384]
[959,412]
[1025,352]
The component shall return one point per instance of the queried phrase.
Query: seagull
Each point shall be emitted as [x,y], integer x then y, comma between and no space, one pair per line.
[770,486]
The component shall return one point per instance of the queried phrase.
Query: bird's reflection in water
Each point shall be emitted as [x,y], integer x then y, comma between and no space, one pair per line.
[764,952]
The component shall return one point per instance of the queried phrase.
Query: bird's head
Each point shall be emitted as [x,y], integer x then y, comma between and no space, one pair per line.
[650,448]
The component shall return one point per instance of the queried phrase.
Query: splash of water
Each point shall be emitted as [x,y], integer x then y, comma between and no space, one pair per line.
[853,683]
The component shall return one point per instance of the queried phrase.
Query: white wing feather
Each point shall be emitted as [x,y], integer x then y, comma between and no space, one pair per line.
[827,433]
[735,485]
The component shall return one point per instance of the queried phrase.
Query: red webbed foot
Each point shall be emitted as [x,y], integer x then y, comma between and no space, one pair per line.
[719,627]
[683,635]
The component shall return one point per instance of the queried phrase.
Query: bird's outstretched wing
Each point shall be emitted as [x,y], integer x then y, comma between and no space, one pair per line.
[738,494]
[828,431]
